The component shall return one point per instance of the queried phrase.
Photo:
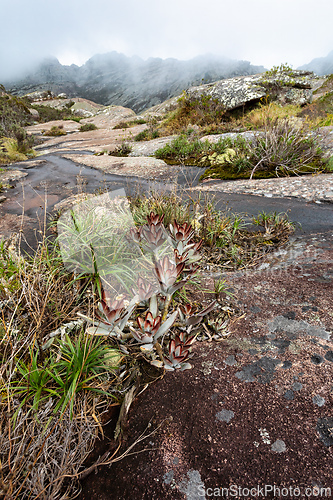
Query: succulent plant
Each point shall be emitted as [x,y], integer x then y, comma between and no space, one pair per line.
[155,220]
[144,290]
[112,316]
[151,329]
[167,273]
[181,232]
[154,235]
[179,350]
[187,316]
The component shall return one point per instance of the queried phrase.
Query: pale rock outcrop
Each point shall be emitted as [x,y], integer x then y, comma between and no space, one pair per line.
[287,87]
[110,116]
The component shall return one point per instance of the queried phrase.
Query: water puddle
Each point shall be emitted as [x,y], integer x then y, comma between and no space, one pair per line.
[57,178]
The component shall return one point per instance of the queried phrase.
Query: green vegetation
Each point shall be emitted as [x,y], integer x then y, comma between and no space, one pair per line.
[201,111]
[280,146]
[15,143]
[151,132]
[268,112]
[129,124]
[146,135]
[87,127]
[282,68]
[12,150]
[329,165]
[48,114]
[55,131]
[68,347]
[123,150]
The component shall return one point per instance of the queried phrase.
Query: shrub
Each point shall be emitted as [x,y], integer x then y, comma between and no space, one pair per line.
[48,114]
[87,126]
[329,165]
[56,391]
[55,131]
[11,151]
[285,148]
[14,114]
[181,150]
[265,113]
[131,123]
[202,111]
[142,136]
[123,150]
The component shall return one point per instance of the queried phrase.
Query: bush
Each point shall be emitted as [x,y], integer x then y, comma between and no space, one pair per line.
[285,149]
[55,391]
[123,150]
[10,151]
[14,114]
[202,111]
[48,114]
[87,126]
[131,123]
[55,131]
[281,149]
[181,150]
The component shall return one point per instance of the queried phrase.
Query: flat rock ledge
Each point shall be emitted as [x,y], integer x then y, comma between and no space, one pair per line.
[317,188]
[143,167]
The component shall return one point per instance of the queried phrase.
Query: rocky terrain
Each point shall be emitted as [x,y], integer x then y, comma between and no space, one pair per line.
[255,411]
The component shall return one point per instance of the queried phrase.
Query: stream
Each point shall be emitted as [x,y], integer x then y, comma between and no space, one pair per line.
[57,178]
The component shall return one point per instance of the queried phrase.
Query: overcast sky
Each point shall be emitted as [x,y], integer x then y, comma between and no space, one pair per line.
[265,32]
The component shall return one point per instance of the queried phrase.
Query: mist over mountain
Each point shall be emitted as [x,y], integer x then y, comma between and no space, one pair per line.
[114,78]
[320,65]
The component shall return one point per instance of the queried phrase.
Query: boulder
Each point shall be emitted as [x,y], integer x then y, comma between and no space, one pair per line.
[34,114]
[287,87]
[110,116]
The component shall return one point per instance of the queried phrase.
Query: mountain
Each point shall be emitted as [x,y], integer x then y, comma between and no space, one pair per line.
[132,82]
[320,65]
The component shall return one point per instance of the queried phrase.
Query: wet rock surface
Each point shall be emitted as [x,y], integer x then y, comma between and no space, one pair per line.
[316,188]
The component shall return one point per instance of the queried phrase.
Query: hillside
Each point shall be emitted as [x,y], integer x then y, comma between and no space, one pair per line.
[131,82]
[320,65]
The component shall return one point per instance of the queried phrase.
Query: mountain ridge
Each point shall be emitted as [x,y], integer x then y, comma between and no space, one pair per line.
[132,82]
[320,65]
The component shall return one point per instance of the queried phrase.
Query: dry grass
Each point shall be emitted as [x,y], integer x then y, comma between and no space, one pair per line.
[260,117]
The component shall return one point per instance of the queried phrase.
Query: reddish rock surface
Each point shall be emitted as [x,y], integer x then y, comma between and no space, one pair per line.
[256,409]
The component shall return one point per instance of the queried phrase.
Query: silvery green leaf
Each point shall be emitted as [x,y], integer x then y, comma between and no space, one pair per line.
[194,320]
[185,366]
[208,309]
[99,330]
[166,325]
[122,323]
[170,368]
[157,363]
[146,347]
[153,305]
[48,343]
[176,287]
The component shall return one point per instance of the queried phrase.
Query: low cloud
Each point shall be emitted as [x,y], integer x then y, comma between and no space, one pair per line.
[262,32]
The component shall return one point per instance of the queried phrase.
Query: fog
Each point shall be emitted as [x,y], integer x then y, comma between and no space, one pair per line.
[264,33]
